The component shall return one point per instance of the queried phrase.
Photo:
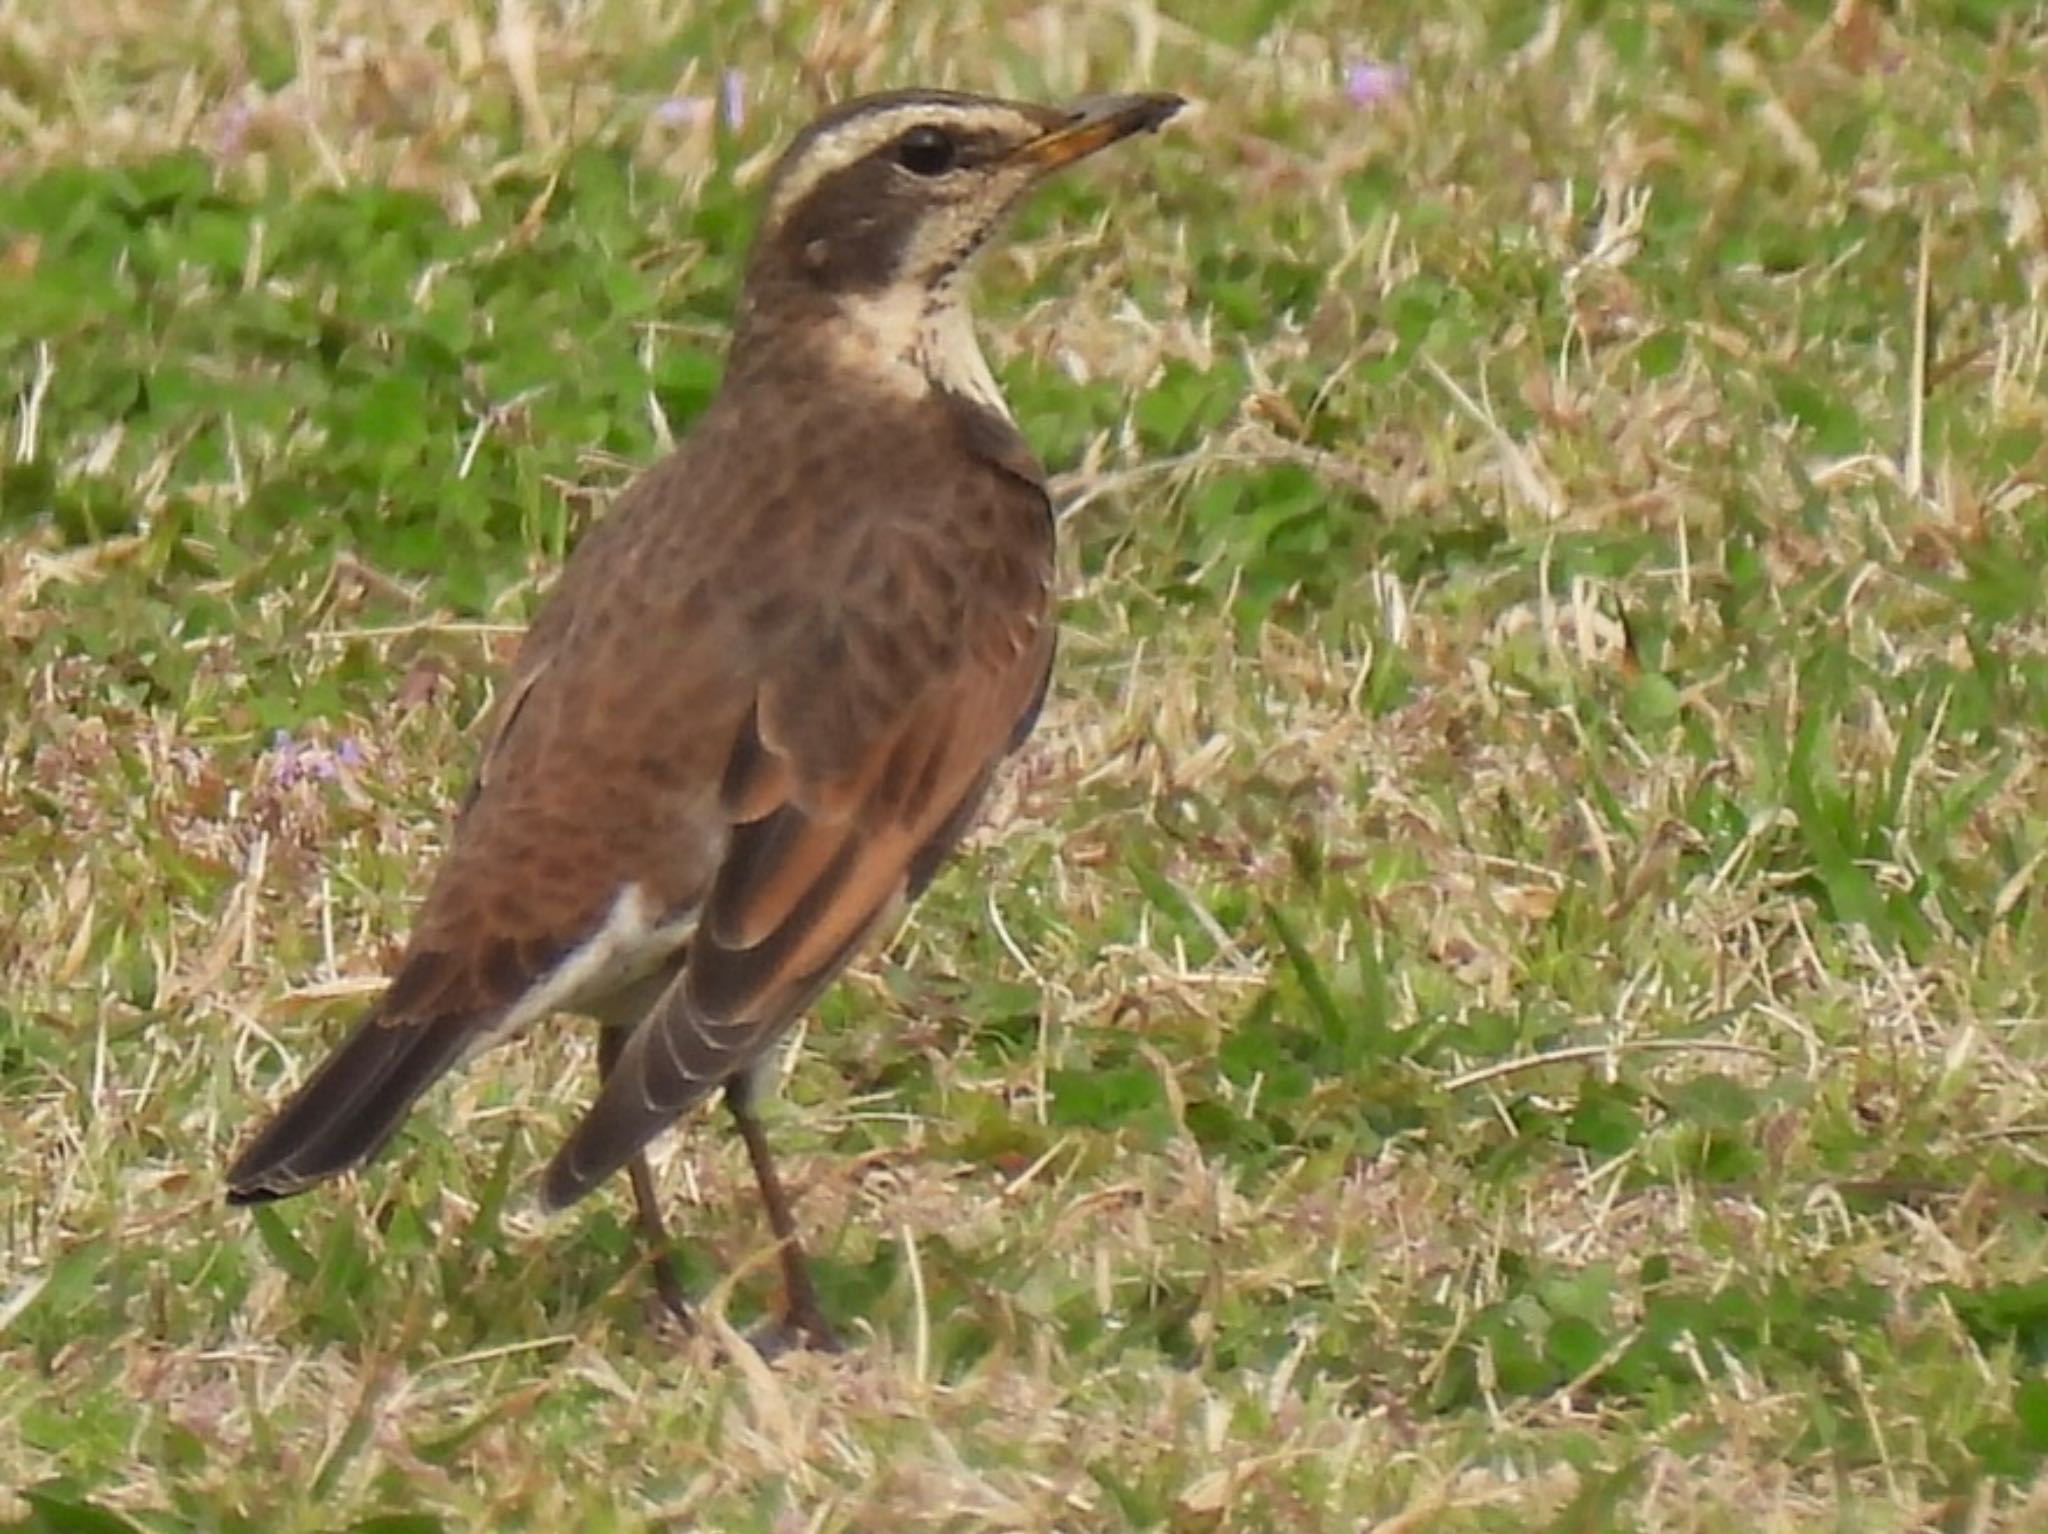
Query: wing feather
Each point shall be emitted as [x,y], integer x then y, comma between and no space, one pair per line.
[867,809]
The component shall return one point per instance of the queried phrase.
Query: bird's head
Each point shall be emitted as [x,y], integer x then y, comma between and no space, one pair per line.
[900,189]
[876,207]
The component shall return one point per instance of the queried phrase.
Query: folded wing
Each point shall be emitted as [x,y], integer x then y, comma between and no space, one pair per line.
[861,764]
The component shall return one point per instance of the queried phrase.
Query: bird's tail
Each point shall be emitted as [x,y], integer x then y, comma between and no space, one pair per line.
[642,1095]
[348,1108]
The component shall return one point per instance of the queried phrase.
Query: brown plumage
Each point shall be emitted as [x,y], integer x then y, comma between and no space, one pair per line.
[768,692]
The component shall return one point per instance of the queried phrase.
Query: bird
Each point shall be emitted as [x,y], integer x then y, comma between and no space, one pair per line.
[767,694]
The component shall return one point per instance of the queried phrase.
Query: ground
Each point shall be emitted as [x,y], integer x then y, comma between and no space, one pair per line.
[1506,993]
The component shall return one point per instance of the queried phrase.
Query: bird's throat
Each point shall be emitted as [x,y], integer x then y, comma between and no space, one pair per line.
[914,340]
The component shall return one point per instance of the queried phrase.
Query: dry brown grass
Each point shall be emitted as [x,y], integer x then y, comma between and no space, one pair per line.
[1450,748]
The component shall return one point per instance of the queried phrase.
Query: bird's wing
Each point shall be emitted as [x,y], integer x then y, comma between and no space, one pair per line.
[576,864]
[861,762]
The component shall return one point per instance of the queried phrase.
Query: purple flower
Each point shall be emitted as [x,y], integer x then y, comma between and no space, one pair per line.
[286,765]
[1370,83]
[295,761]
[681,111]
[732,99]
[231,132]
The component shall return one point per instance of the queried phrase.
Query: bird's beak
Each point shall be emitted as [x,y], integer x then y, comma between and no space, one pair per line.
[1094,124]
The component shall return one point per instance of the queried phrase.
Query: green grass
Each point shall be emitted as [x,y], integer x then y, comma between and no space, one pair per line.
[1509,991]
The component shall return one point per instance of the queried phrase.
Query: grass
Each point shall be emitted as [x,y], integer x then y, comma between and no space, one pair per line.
[1507,992]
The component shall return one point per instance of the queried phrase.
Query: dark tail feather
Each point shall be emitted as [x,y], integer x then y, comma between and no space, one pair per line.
[348,1108]
[673,1059]
[641,1097]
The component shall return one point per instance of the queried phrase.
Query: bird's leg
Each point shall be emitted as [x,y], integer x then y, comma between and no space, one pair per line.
[803,1318]
[647,1206]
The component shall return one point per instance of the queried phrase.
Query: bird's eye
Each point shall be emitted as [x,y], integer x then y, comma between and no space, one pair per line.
[927,151]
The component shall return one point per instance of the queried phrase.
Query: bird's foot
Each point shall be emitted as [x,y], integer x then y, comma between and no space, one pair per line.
[795,1333]
[666,1307]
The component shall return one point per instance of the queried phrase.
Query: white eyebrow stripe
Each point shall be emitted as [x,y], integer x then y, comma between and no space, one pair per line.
[848,142]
